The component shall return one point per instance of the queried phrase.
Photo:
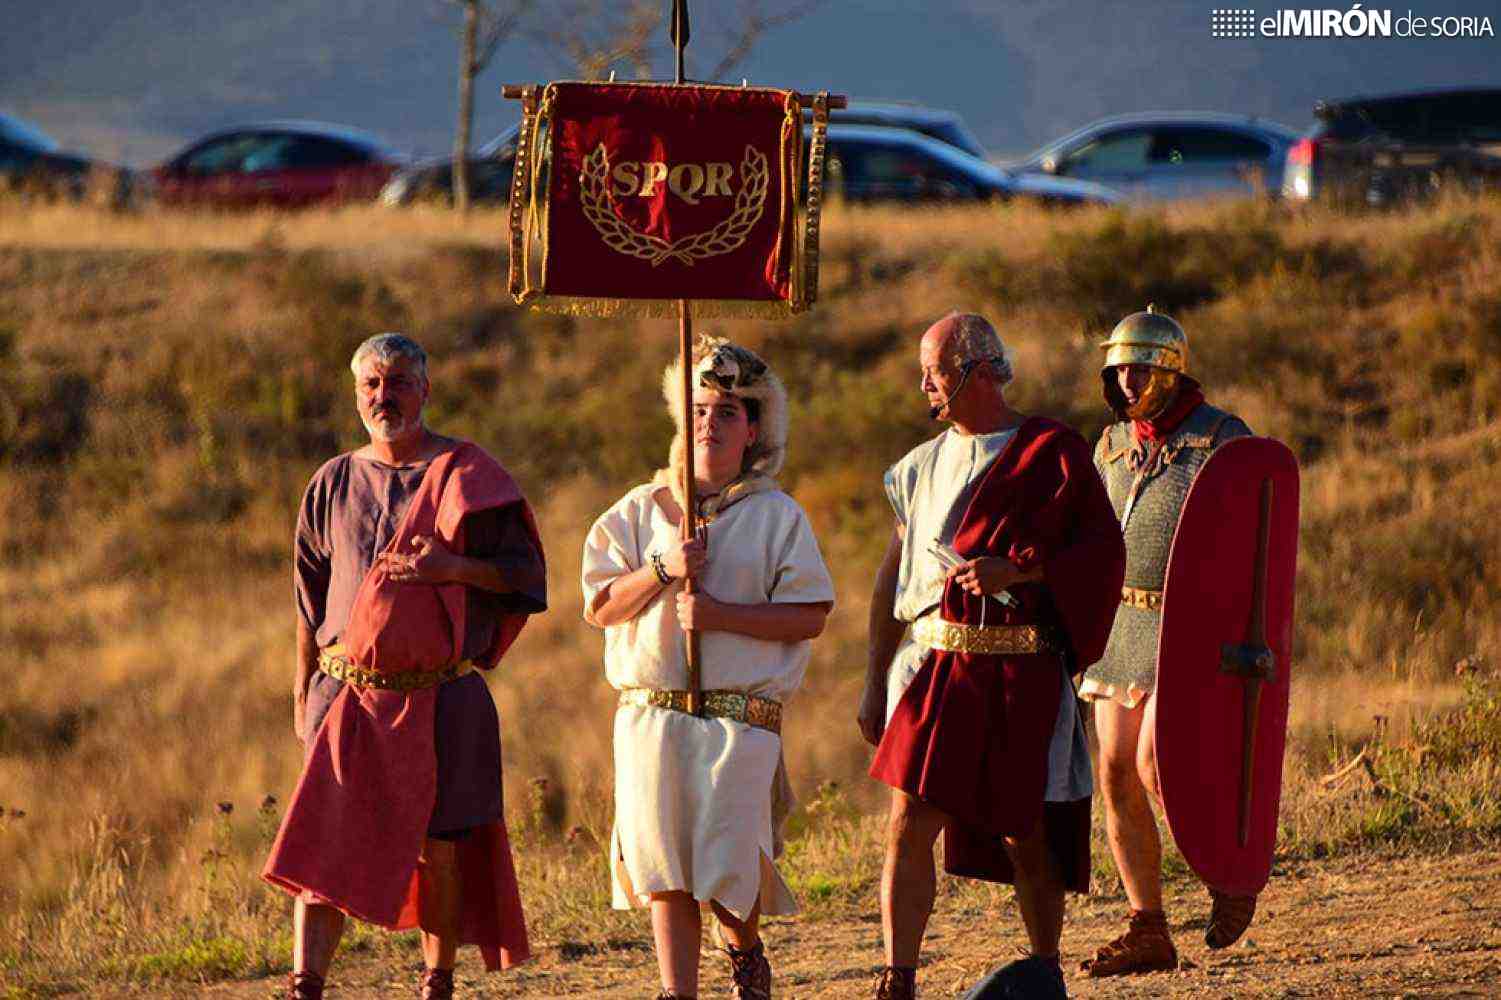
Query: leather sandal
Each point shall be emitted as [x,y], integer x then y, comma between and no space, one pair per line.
[751,972]
[1145,947]
[897,983]
[1229,916]
[305,986]
[437,984]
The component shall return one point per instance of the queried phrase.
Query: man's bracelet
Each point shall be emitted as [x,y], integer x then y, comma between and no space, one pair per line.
[660,568]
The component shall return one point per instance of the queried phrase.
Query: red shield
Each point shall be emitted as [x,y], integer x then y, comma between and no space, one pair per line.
[1223,662]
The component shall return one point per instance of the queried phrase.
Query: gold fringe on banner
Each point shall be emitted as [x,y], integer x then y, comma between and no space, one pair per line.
[575,305]
[528,189]
[806,263]
[529,207]
[518,283]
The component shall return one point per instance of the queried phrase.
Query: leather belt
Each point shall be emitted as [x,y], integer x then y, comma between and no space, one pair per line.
[737,706]
[1146,600]
[334,662]
[985,640]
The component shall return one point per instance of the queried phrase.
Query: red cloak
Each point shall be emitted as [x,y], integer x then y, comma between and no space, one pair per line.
[971,733]
[354,827]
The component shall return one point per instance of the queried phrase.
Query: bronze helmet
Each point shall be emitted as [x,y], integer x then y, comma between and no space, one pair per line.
[1145,338]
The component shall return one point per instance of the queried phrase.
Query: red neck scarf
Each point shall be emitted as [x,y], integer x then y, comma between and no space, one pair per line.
[1159,427]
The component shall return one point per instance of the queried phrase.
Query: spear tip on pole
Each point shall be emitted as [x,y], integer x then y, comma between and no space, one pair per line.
[677,26]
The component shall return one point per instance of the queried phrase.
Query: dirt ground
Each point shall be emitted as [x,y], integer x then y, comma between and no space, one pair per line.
[1419,927]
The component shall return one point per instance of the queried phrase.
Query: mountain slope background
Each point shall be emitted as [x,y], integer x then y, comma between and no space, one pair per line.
[133,79]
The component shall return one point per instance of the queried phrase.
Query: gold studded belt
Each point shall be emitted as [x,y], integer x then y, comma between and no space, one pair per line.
[335,663]
[986,640]
[1146,600]
[737,706]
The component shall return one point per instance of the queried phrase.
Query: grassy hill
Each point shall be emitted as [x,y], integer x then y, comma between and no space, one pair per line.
[169,382]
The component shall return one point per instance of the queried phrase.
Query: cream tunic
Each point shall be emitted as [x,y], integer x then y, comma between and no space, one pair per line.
[930,489]
[693,797]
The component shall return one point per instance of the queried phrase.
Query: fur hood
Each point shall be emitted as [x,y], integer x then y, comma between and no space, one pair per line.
[721,365]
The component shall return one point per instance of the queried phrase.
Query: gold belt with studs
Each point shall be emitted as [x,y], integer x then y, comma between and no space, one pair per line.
[1146,600]
[984,640]
[334,662]
[737,706]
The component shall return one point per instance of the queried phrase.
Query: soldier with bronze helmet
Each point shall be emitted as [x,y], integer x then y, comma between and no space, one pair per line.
[1148,459]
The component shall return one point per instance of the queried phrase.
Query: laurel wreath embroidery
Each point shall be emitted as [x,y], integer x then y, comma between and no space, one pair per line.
[598,205]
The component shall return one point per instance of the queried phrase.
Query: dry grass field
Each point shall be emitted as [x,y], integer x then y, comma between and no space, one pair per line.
[168,383]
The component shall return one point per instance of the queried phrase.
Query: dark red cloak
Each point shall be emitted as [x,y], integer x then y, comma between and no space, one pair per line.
[971,734]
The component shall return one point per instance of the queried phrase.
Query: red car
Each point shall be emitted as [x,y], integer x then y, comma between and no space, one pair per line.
[280,164]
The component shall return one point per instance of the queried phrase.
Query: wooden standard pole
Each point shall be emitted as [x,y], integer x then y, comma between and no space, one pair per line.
[690,502]
[678,31]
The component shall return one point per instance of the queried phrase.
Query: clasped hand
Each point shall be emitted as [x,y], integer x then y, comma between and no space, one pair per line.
[427,560]
[685,558]
[698,612]
[986,575]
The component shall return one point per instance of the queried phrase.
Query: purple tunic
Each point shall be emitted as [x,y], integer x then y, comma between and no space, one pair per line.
[350,511]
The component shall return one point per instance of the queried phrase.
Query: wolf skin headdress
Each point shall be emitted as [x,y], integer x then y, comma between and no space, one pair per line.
[719,364]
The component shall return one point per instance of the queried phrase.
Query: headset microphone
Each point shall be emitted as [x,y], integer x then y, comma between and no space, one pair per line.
[964,370]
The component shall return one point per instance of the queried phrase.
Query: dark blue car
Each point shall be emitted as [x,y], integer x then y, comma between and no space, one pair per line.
[31,161]
[869,164]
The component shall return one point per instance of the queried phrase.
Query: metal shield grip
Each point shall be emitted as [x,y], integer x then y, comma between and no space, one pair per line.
[1224,662]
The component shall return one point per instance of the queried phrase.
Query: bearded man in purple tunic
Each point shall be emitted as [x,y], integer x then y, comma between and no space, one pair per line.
[416,561]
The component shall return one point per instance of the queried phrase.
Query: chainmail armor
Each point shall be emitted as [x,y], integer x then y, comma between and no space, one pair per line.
[1130,658]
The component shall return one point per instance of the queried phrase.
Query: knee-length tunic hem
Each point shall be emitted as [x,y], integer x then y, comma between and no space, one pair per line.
[698,801]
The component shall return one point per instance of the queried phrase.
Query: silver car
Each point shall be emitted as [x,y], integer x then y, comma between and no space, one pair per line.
[867,163]
[1171,155]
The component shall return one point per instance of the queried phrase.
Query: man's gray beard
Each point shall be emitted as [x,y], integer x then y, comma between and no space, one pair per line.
[389,432]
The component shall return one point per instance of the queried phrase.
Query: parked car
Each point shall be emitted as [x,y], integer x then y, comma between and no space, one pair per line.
[1171,155]
[867,163]
[283,164]
[1381,150]
[30,160]
[432,180]
[936,123]
[490,164]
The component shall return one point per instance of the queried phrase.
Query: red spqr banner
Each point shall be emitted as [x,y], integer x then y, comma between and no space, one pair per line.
[671,192]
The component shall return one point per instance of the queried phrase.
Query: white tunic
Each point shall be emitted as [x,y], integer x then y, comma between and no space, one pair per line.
[693,797]
[930,489]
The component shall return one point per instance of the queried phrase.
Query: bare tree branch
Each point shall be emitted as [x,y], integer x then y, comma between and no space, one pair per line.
[496,25]
[754,21]
[592,37]
[487,23]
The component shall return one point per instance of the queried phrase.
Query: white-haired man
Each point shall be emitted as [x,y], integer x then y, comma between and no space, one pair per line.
[416,560]
[1006,562]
